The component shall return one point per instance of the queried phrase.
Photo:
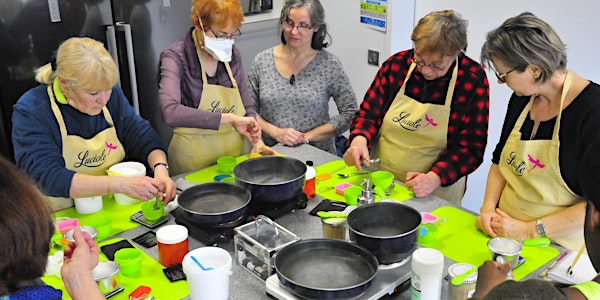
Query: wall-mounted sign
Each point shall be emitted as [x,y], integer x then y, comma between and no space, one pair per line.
[373,14]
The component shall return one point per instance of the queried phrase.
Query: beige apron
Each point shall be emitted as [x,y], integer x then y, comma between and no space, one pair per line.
[86,156]
[413,135]
[534,187]
[192,149]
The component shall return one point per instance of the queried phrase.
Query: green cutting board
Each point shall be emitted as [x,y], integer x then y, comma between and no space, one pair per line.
[120,215]
[458,239]
[326,188]
[151,275]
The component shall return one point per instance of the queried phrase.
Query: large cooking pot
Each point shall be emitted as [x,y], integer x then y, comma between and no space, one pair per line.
[271,178]
[325,268]
[388,229]
[214,203]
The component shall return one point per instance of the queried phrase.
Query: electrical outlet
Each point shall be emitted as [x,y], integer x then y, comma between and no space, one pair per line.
[373,57]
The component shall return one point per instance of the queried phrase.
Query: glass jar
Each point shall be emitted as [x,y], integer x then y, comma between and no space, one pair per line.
[467,288]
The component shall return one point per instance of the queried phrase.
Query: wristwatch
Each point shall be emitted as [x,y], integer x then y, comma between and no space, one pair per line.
[160,164]
[540,227]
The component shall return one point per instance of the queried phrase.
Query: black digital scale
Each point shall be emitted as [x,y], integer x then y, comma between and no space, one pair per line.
[139,218]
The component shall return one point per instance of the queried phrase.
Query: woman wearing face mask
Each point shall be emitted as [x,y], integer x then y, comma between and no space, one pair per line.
[203,90]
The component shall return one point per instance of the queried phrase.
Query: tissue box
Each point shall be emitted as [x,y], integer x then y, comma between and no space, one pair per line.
[257,242]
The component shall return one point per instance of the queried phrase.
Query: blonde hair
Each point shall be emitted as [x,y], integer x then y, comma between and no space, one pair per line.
[217,12]
[81,62]
[441,31]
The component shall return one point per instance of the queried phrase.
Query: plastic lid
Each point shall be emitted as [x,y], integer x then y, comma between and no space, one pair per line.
[171,234]
[427,260]
[460,268]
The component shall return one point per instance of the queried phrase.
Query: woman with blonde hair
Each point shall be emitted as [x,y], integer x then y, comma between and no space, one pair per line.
[204,92]
[68,131]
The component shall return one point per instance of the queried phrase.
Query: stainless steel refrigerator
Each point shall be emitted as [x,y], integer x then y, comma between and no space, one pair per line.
[134,31]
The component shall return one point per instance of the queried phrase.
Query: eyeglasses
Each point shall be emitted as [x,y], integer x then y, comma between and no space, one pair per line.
[302,27]
[502,77]
[226,36]
[431,66]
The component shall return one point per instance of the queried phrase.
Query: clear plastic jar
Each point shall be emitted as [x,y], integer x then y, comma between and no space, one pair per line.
[467,288]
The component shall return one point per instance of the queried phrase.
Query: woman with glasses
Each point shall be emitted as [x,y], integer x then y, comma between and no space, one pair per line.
[292,82]
[426,113]
[204,93]
[533,189]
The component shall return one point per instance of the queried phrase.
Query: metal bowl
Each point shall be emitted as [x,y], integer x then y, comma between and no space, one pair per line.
[93,232]
[106,274]
[505,250]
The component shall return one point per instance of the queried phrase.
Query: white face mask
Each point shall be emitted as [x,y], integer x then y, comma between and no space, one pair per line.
[220,49]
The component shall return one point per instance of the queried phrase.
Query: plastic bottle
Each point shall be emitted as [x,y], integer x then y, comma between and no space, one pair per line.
[172,243]
[426,277]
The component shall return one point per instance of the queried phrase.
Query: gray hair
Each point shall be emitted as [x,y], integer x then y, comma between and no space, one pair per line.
[317,19]
[525,40]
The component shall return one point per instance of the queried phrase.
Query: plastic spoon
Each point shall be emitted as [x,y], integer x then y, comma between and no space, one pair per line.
[327,214]
[200,265]
[459,279]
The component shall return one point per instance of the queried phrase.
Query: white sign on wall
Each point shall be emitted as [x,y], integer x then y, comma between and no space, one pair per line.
[373,14]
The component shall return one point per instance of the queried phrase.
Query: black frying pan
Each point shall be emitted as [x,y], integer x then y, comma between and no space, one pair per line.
[326,268]
[214,203]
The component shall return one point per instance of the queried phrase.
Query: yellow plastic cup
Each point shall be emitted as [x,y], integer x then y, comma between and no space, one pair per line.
[351,194]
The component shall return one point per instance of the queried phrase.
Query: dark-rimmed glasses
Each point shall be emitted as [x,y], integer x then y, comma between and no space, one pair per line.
[226,36]
[502,77]
[431,66]
[290,25]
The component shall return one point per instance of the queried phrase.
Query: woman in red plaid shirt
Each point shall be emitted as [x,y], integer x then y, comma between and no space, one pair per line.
[426,113]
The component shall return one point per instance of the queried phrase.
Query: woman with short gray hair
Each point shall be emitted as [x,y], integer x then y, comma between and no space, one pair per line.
[533,189]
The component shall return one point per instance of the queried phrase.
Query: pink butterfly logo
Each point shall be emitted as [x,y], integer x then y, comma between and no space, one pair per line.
[430,121]
[110,147]
[536,163]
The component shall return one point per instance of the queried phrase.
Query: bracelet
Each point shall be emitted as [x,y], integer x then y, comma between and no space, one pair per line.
[108,185]
[160,164]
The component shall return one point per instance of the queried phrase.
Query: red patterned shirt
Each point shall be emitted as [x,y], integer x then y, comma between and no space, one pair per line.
[469,112]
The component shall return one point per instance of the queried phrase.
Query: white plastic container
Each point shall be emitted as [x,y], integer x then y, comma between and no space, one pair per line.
[210,284]
[88,205]
[426,277]
[127,169]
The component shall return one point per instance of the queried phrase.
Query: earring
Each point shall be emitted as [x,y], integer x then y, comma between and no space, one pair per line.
[536,76]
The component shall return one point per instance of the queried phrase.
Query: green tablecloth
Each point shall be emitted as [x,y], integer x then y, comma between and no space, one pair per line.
[458,239]
[151,275]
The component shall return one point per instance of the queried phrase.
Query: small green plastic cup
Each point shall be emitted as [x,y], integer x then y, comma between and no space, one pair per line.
[150,213]
[130,261]
[104,227]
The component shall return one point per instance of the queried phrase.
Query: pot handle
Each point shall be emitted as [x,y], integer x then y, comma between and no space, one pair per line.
[267,220]
[172,205]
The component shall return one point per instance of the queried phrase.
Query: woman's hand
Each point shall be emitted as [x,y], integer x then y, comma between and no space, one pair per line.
[80,256]
[247,126]
[489,275]
[141,187]
[484,220]
[422,184]
[169,189]
[506,226]
[357,153]
[290,137]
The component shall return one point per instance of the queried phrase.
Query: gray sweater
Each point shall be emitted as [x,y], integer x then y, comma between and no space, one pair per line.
[303,105]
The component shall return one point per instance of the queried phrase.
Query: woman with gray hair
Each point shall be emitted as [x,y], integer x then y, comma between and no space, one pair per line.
[426,113]
[533,189]
[292,82]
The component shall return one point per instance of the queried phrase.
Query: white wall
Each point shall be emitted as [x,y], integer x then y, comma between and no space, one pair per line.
[575,21]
